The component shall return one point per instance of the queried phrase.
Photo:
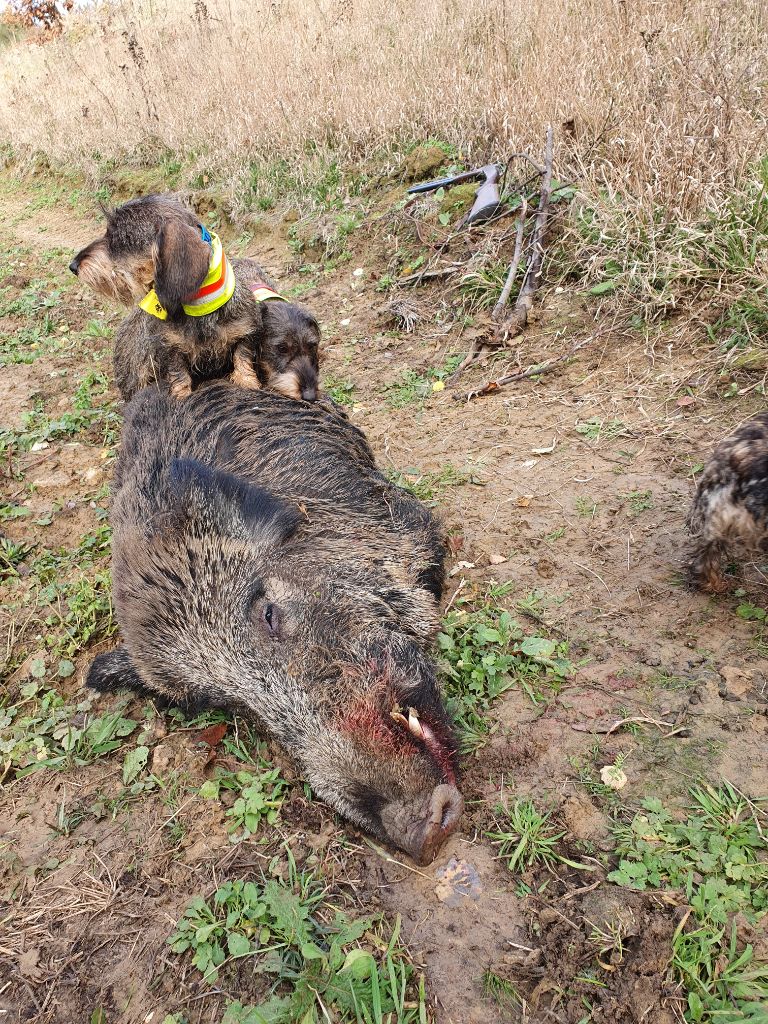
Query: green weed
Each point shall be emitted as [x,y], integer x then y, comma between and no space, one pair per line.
[42,731]
[638,501]
[318,967]
[585,506]
[528,838]
[341,391]
[501,991]
[716,857]
[481,288]
[744,324]
[12,554]
[259,798]
[412,387]
[427,486]
[483,653]
[596,429]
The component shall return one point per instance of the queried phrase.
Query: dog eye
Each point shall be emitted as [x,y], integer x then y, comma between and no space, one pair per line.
[270,617]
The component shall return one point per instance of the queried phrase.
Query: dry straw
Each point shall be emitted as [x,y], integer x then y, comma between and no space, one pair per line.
[663,100]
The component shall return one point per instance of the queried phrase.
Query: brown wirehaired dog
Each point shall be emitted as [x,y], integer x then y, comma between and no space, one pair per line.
[730,507]
[201,315]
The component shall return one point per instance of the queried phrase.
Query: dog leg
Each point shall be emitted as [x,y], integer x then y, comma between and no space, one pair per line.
[179,377]
[244,375]
[705,567]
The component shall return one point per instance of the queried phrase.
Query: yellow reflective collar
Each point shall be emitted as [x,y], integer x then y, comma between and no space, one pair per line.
[215,291]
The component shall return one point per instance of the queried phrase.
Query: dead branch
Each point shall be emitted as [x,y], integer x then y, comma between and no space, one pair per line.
[512,378]
[518,319]
[504,297]
[425,275]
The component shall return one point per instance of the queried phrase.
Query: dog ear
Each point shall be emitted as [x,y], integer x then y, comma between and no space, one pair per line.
[181,264]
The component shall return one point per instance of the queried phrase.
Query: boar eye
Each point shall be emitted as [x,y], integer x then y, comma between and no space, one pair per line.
[270,616]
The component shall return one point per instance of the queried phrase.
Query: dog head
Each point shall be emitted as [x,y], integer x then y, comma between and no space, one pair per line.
[152,241]
[288,358]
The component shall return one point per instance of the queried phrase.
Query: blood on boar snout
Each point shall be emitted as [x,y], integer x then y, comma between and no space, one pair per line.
[261,563]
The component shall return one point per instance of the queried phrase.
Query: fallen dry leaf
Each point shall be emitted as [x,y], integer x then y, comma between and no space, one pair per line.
[212,736]
[455,543]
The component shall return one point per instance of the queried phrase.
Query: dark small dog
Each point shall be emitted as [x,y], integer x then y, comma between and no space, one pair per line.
[201,315]
[730,507]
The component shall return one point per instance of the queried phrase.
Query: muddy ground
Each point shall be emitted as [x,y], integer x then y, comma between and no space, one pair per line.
[585,523]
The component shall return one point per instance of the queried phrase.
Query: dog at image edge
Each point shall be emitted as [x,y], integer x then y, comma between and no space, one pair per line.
[199,315]
[729,512]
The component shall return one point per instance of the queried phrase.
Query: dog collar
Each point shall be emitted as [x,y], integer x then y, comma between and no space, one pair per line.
[215,291]
[262,292]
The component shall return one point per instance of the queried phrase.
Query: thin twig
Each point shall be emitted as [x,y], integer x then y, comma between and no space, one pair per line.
[504,297]
[420,276]
[593,573]
[533,371]
[517,321]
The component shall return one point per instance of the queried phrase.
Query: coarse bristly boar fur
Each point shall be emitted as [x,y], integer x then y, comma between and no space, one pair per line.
[157,242]
[261,563]
[730,507]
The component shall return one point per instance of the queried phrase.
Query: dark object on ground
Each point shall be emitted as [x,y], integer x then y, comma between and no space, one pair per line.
[155,252]
[730,508]
[262,563]
[487,200]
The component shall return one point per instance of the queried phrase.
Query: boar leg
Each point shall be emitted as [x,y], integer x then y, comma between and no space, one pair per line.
[114,671]
[244,375]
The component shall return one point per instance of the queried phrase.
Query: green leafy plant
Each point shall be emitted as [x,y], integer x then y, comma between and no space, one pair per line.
[317,965]
[341,391]
[484,652]
[596,429]
[427,485]
[260,796]
[43,731]
[638,501]
[716,857]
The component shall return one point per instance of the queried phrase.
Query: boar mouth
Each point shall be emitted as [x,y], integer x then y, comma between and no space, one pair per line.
[420,828]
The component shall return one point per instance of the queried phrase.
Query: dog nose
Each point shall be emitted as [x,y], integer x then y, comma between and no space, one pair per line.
[309,394]
[75,264]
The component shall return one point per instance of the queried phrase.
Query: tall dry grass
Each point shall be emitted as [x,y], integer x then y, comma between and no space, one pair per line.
[659,105]
[667,97]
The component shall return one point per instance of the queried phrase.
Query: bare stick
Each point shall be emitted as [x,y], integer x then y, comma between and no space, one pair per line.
[518,319]
[504,297]
[533,371]
[424,275]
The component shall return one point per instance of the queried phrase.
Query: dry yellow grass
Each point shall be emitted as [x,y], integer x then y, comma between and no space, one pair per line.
[667,99]
[659,105]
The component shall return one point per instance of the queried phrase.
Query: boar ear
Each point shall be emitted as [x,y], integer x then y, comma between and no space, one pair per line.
[113,671]
[211,501]
[181,264]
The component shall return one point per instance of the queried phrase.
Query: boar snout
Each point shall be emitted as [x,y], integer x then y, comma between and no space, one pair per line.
[421,827]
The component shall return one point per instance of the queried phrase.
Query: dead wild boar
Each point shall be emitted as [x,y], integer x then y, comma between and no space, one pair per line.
[261,563]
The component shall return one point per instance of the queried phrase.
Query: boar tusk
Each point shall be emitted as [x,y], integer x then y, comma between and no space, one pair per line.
[400,718]
[414,724]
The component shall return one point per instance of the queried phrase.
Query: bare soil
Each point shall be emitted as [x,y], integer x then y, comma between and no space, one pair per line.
[85,913]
